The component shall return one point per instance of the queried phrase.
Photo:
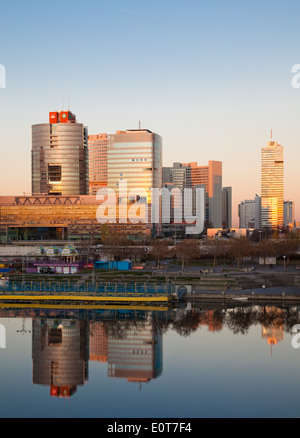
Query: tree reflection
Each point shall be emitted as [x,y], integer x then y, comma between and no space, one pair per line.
[291,318]
[271,316]
[187,325]
[238,319]
[241,319]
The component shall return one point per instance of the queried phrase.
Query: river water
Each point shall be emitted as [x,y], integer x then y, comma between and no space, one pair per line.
[199,360]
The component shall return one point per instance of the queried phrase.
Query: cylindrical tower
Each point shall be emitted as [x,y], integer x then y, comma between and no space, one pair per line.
[60,156]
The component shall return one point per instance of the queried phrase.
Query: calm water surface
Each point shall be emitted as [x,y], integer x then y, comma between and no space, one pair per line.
[197,361]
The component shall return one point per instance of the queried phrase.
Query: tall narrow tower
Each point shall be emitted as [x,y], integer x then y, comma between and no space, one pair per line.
[272,185]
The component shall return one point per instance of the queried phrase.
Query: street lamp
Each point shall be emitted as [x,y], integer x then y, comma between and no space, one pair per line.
[284,262]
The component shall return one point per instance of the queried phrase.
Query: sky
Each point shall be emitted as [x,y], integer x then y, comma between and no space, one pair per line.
[213,78]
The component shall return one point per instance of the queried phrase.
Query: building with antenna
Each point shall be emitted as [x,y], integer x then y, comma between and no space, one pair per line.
[272,185]
[60,156]
[135,156]
[134,159]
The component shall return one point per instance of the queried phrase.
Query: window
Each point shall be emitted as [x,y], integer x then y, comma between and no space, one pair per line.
[54,173]
[54,336]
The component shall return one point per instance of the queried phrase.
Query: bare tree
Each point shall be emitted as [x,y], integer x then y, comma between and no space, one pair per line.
[187,250]
[160,251]
[218,248]
[118,247]
[288,246]
[265,248]
[239,248]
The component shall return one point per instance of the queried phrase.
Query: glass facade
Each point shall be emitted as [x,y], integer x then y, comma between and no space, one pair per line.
[177,176]
[97,162]
[190,175]
[136,355]
[272,185]
[227,207]
[135,157]
[60,158]
[211,177]
[60,355]
[60,206]
[289,213]
[58,217]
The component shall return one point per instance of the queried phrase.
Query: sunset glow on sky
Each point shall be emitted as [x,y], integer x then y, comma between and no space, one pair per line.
[212,78]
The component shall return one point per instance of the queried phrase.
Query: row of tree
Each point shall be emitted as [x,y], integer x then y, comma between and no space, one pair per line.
[236,249]
[185,251]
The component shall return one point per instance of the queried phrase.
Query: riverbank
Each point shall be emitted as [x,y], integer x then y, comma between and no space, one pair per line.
[271,293]
[227,283]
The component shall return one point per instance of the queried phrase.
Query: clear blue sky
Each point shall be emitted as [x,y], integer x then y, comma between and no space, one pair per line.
[211,77]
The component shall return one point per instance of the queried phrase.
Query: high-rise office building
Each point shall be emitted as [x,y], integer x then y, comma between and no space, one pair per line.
[249,213]
[190,175]
[60,156]
[211,177]
[246,210]
[257,217]
[177,176]
[288,213]
[97,162]
[135,157]
[134,168]
[227,207]
[272,185]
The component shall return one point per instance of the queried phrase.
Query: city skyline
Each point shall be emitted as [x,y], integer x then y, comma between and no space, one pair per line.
[94,136]
[220,81]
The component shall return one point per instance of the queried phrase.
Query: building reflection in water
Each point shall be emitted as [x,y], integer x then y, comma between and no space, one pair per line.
[131,343]
[137,354]
[132,349]
[59,354]
[211,319]
[274,331]
[98,342]
[62,348]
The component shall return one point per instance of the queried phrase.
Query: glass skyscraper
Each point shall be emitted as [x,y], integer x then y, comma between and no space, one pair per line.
[190,175]
[135,157]
[288,213]
[97,162]
[272,185]
[60,156]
